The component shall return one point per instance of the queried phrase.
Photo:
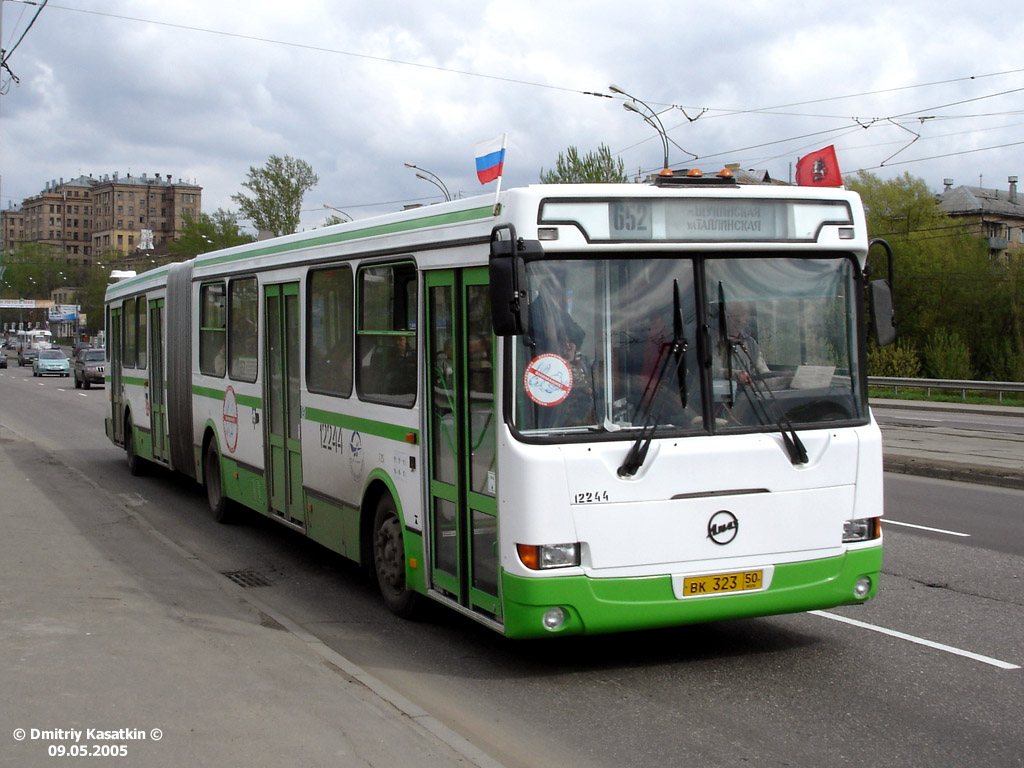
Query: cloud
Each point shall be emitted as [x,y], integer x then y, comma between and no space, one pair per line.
[203,91]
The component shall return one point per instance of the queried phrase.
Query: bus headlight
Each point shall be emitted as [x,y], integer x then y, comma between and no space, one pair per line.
[544,556]
[864,529]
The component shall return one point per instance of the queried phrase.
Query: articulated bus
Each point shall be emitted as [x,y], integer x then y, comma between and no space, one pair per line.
[568,409]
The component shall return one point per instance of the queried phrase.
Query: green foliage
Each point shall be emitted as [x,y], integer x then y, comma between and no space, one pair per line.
[946,356]
[945,279]
[897,360]
[592,168]
[278,188]
[31,271]
[209,233]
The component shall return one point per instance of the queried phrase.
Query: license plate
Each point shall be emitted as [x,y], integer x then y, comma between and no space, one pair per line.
[740,581]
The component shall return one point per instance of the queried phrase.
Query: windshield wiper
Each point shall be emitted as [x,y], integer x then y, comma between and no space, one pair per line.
[794,445]
[671,349]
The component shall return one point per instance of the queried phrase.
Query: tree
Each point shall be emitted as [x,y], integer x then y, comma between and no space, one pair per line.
[278,188]
[32,271]
[946,285]
[210,233]
[592,168]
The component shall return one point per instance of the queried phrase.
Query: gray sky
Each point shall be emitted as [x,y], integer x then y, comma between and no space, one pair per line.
[204,89]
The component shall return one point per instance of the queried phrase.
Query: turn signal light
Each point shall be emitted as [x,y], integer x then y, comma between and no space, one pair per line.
[544,556]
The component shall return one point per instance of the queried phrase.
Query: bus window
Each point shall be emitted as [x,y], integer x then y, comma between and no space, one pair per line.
[130,331]
[386,335]
[243,308]
[141,337]
[211,329]
[329,342]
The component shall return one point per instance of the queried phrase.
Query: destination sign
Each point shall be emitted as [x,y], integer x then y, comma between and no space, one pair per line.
[698,219]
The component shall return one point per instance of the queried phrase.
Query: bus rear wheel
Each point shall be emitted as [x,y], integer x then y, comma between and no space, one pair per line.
[389,561]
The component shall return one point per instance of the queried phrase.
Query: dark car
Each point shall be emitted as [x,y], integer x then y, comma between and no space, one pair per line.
[89,367]
[26,355]
[3,359]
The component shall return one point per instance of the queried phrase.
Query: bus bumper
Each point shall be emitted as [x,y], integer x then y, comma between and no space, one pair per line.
[593,606]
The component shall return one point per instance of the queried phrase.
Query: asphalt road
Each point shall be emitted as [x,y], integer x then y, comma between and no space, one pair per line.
[926,674]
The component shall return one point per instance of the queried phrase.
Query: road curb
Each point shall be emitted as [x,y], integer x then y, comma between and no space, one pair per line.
[951,470]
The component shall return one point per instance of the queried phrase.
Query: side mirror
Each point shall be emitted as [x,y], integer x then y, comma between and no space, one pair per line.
[883,324]
[510,300]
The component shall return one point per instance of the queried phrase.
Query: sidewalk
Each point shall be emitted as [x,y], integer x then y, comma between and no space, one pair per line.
[106,625]
[953,454]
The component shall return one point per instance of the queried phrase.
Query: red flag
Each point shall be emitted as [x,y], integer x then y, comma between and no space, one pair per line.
[819,169]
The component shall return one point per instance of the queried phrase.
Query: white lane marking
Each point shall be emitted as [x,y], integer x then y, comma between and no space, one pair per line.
[925,528]
[918,640]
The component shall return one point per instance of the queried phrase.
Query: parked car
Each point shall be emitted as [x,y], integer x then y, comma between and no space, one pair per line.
[26,355]
[89,367]
[51,362]
[3,359]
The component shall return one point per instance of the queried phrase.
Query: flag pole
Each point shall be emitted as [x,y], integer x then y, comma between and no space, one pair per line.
[497,190]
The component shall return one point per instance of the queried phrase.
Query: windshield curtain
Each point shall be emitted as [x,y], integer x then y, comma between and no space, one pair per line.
[607,351]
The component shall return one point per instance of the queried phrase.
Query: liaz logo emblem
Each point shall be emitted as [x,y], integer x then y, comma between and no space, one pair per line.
[723,527]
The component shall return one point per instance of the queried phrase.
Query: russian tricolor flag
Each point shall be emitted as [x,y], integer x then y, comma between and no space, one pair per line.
[490,159]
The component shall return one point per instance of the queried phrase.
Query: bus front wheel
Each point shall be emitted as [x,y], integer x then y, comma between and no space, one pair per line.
[389,561]
[218,502]
[136,465]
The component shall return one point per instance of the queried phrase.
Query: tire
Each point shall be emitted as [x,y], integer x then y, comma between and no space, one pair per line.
[78,384]
[136,464]
[86,384]
[221,507]
[389,561]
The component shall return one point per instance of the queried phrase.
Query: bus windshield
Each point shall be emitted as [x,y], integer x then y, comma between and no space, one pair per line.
[607,350]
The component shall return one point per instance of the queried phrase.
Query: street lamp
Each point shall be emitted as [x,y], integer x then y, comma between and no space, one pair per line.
[433,178]
[332,208]
[651,119]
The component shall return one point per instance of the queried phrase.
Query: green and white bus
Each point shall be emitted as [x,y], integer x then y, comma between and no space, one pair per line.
[571,409]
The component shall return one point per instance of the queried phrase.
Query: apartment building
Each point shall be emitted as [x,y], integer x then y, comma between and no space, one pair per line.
[996,214]
[81,218]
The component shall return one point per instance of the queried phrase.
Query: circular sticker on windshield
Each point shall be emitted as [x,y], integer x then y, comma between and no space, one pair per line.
[548,379]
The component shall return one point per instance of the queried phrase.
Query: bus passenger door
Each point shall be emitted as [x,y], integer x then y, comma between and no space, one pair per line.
[462,514]
[158,410]
[115,358]
[284,446]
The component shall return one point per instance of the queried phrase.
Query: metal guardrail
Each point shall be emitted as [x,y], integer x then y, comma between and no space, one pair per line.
[964,386]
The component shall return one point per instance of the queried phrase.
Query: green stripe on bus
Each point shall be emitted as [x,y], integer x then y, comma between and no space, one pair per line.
[436,220]
[134,381]
[210,392]
[365,426]
[217,394]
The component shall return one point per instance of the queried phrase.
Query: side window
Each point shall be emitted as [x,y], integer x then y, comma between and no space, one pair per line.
[130,332]
[141,336]
[212,341]
[243,316]
[386,334]
[329,342]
